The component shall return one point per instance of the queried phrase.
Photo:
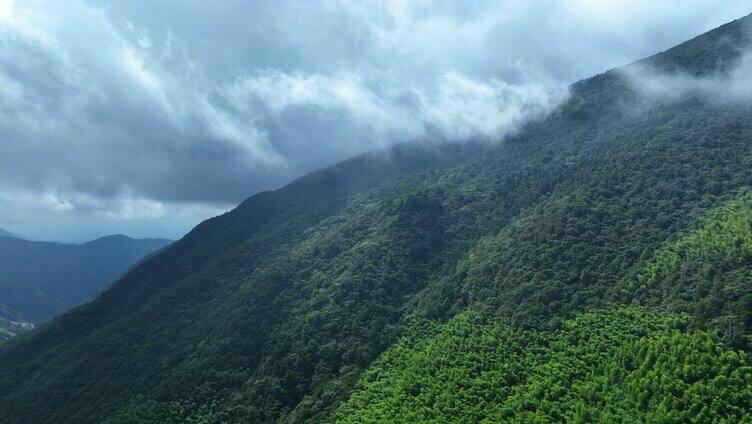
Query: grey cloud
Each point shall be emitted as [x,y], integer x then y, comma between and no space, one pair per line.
[127,113]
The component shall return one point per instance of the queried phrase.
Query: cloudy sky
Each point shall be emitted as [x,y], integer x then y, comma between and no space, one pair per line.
[144,117]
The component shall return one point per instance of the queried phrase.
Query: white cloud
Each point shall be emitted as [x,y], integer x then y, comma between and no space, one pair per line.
[462,108]
[451,106]
[6,10]
[136,208]
[734,85]
[374,113]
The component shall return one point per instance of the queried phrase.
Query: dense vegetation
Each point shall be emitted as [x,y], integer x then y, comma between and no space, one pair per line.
[39,280]
[272,312]
[706,273]
[616,365]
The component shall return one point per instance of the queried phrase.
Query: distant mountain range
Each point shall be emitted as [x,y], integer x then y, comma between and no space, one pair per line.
[39,280]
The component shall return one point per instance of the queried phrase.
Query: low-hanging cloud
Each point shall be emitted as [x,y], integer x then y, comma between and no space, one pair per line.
[138,114]
[731,85]
[451,106]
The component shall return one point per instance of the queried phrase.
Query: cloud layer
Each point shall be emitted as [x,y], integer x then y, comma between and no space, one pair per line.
[145,117]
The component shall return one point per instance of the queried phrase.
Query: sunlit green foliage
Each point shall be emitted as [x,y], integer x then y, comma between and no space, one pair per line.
[706,273]
[611,366]
[453,373]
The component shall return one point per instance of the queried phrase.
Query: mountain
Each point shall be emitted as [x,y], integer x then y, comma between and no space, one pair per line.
[551,277]
[5,233]
[39,280]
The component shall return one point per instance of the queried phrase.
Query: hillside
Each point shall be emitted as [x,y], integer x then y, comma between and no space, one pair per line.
[616,365]
[39,280]
[274,311]
[619,365]
[6,233]
[705,274]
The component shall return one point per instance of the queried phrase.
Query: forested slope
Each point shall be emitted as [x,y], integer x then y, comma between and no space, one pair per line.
[272,312]
[621,365]
[705,273]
